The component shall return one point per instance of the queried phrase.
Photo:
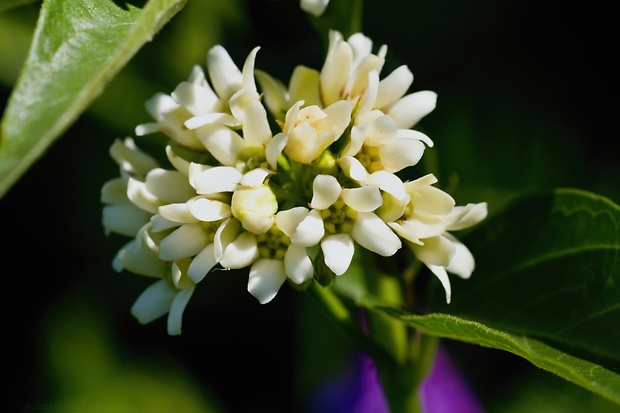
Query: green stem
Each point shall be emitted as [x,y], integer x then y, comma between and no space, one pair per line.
[357,11]
[343,319]
[402,356]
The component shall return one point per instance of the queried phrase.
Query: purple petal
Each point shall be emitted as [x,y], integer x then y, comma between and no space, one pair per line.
[444,390]
[358,390]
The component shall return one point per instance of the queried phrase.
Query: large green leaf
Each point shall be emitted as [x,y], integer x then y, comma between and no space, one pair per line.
[546,287]
[583,372]
[78,47]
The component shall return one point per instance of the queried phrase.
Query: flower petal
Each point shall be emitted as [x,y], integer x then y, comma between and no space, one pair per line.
[409,110]
[175,316]
[314,7]
[442,275]
[435,251]
[169,186]
[338,250]
[208,210]
[265,279]
[140,257]
[415,135]
[202,264]
[130,158]
[222,142]
[255,178]
[256,130]
[274,149]
[309,231]
[124,219]
[325,191]
[274,93]
[373,234]
[154,302]
[425,226]
[226,233]
[179,213]
[288,220]
[297,264]
[397,154]
[388,182]
[179,163]
[358,135]
[466,216]
[159,223]
[240,253]
[353,169]
[139,195]
[432,201]
[198,99]
[114,191]
[185,241]
[225,76]
[380,130]
[207,118]
[364,199]
[394,86]
[216,179]
[335,70]
[304,85]
[462,263]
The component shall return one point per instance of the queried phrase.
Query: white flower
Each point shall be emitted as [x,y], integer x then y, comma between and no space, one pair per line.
[347,216]
[162,298]
[380,146]
[351,72]
[196,103]
[170,294]
[387,96]
[255,207]
[279,259]
[119,214]
[281,203]
[272,257]
[308,132]
[444,253]
[181,233]
[424,216]
[252,201]
[425,223]
[314,7]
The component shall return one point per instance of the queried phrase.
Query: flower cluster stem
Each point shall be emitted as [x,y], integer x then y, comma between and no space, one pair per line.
[346,323]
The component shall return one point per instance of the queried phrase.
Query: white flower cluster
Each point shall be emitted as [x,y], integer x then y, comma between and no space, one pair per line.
[290,204]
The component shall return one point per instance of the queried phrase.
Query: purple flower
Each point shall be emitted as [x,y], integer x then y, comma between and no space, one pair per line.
[444,390]
[358,390]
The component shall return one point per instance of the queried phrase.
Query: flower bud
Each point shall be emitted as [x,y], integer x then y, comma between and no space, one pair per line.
[255,208]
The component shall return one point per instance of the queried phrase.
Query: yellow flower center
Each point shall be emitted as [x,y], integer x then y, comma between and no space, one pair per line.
[338,218]
[369,158]
[273,243]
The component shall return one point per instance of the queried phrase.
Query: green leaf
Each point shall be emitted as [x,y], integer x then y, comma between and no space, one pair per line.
[11,4]
[86,368]
[78,47]
[587,374]
[546,287]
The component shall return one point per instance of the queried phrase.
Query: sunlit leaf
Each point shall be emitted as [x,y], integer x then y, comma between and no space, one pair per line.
[78,48]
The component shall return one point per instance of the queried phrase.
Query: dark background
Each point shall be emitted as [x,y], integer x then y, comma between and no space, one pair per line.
[527,101]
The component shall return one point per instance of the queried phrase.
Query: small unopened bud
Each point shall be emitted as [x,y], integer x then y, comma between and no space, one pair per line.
[255,208]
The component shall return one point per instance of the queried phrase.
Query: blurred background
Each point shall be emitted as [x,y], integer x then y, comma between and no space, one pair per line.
[527,101]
